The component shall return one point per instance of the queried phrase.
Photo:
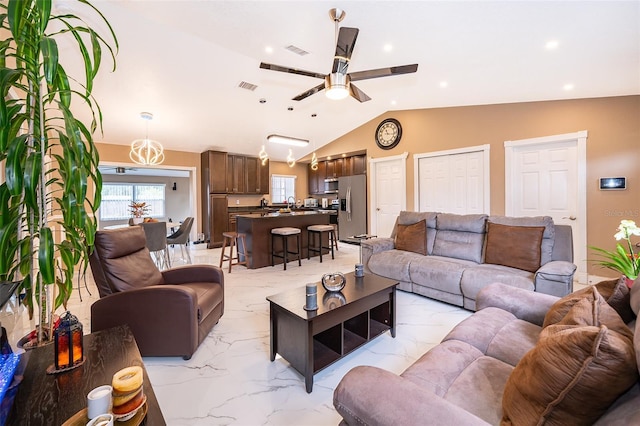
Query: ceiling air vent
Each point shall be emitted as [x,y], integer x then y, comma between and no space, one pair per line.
[248,86]
[296,50]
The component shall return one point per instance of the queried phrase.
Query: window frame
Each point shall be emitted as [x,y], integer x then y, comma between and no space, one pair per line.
[272,192]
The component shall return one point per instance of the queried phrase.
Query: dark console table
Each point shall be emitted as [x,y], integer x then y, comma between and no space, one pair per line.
[46,399]
[344,321]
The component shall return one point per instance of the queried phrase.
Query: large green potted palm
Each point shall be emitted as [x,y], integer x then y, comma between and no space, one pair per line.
[52,185]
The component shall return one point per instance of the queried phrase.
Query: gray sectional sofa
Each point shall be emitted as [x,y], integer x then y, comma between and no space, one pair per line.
[451,257]
[523,358]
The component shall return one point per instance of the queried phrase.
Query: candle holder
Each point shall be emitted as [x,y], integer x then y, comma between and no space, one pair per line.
[68,340]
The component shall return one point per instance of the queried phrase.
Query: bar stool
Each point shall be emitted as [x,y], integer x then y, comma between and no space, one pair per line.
[232,238]
[285,233]
[319,230]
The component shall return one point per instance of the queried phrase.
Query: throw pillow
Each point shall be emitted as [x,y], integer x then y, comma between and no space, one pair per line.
[571,376]
[594,310]
[515,246]
[412,237]
[615,292]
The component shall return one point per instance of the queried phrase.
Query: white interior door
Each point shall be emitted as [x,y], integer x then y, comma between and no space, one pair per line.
[546,177]
[388,192]
[453,181]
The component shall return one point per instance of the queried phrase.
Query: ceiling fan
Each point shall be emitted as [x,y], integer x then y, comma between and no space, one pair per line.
[339,83]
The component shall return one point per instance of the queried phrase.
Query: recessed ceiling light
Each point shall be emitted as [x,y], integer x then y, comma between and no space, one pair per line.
[387,47]
[393,102]
[568,86]
[268,49]
[444,84]
[552,44]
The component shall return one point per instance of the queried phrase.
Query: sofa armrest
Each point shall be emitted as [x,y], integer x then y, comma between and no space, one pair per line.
[193,273]
[555,278]
[524,304]
[373,246]
[372,396]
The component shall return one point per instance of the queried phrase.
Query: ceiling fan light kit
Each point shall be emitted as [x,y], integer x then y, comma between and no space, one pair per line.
[336,86]
[338,83]
[287,140]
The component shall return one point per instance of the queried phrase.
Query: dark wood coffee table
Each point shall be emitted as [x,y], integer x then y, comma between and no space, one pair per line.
[313,340]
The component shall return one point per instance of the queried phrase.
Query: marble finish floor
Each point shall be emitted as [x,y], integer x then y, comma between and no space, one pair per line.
[230,379]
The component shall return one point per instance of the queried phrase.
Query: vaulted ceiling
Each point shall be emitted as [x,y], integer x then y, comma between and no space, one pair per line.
[184,61]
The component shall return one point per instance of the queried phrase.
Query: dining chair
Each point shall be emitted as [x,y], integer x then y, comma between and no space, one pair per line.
[181,237]
[156,234]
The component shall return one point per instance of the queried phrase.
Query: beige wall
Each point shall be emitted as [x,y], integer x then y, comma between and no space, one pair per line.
[613,147]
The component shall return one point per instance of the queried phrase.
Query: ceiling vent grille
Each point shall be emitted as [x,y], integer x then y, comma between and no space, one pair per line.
[248,86]
[296,50]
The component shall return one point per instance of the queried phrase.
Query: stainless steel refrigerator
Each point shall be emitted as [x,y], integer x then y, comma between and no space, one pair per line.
[352,216]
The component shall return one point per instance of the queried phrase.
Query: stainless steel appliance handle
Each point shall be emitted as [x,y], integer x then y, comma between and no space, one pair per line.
[349,203]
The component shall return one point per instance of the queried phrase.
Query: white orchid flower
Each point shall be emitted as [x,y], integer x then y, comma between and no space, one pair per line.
[626,229]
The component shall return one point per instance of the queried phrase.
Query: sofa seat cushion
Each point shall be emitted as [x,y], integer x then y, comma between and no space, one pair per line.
[477,277]
[498,334]
[393,264]
[455,370]
[209,296]
[438,272]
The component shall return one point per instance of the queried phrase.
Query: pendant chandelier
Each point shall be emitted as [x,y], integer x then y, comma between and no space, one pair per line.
[290,160]
[263,156]
[146,151]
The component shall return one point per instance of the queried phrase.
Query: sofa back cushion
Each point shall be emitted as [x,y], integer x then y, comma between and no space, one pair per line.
[410,218]
[412,237]
[546,246]
[124,259]
[460,236]
[514,246]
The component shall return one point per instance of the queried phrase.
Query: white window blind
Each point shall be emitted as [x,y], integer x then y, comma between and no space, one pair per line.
[116,198]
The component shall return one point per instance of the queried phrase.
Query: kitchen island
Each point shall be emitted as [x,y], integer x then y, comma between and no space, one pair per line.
[257,228]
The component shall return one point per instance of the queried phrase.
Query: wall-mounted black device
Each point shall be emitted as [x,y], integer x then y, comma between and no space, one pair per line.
[615,183]
[175,186]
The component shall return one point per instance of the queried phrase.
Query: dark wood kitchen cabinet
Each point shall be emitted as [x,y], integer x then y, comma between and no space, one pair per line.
[214,172]
[358,164]
[236,177]
[316,179]
[217,219]
[335,168]
[257,176]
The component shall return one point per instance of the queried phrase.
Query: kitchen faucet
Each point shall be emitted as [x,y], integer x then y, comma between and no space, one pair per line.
[292,204]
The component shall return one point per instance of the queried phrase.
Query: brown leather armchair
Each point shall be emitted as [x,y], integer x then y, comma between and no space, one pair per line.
[169,312]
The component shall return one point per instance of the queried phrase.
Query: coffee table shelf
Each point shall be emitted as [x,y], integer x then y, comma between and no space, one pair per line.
[313,340]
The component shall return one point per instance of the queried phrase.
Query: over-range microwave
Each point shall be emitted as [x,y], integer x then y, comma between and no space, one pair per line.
[331,186]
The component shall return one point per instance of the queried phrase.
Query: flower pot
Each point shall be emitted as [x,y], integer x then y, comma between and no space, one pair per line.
[628,281]
[137,220]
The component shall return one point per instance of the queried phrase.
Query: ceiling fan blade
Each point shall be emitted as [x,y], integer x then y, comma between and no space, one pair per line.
[383,72]
[358,94]
[344,48]
[273,67]
[309,92]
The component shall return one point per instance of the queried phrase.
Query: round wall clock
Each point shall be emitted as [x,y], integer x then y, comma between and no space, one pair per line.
[388,133]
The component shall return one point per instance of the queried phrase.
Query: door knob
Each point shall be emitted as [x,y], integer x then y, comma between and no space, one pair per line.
[377,208]
[570,217]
